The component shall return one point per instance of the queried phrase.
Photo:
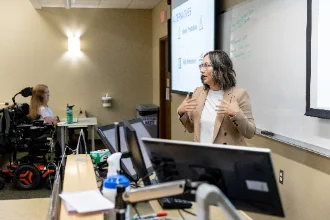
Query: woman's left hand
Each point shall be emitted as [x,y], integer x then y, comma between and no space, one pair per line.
[230,109]
[56,120]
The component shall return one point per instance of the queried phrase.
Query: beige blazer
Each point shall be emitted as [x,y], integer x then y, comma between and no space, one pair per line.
[227,130]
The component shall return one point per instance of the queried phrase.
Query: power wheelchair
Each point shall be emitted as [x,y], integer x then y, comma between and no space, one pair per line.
[19,134]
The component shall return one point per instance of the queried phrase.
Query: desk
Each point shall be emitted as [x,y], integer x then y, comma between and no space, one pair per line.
[27,209]
[215,212]
[79,176]
[82,122]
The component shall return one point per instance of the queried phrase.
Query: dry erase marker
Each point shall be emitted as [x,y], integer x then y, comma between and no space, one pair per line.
[154,215]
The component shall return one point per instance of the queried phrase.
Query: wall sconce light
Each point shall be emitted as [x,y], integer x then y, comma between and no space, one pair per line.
[74,44]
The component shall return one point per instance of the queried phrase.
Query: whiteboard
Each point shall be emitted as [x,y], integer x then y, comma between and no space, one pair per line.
[266,40]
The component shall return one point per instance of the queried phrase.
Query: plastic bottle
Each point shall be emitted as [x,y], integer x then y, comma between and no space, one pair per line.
[110,183]
[69,113]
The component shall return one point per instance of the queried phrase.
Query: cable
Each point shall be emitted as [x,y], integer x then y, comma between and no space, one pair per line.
[138,183]
[189,212]
[73,151]
[99,179]
[181,214]
[50,181]
[97,173]
[136,211]
[60,166]
[141,179]
[134,186]
[148,175]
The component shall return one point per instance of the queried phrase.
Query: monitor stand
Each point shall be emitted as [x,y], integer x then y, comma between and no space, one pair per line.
[207,195]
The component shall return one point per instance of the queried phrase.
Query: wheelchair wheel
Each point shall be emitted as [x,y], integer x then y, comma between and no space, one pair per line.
[2,182]
[26,177]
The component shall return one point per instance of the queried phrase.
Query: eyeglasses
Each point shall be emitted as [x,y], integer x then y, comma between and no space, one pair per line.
[204,65]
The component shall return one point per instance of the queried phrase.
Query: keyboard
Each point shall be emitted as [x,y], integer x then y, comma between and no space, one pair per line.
[171,202]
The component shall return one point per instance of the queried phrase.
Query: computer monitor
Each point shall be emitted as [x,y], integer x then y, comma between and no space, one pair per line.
[134,148]
[244,174]
[107,135]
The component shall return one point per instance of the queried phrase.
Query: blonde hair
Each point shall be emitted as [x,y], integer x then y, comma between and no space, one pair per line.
[37,100]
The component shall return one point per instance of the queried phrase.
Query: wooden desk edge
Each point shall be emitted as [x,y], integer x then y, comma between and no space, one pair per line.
[88,175]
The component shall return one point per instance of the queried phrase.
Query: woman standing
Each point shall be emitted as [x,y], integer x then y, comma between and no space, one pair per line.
[218,112]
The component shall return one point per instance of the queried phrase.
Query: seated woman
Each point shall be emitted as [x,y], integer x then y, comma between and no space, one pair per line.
[38,106]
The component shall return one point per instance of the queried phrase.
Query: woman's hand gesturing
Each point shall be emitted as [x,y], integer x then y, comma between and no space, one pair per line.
[230,109]
[188,105]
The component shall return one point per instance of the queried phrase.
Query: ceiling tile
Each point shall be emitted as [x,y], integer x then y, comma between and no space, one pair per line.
[143,4]
[108,5]
[84,1]
[116,2]
[131,4]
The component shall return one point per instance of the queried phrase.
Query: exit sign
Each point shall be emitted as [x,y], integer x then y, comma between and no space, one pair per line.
[162,16]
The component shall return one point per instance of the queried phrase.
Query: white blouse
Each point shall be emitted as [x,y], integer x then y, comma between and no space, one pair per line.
[208,115]
[46,112]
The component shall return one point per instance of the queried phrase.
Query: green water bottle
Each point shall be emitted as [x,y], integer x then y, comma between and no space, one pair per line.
[69,113]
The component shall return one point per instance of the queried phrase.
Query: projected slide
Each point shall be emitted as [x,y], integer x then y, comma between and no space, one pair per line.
[323,68]
[320,47]
[192,36]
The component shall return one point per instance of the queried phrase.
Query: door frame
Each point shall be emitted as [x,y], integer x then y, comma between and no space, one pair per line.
[164,116]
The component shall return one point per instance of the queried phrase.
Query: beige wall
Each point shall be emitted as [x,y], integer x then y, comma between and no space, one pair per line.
[115,59]
[120,56]
[305,192]
[159,30]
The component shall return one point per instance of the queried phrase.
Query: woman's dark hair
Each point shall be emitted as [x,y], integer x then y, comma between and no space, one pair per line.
[223,73]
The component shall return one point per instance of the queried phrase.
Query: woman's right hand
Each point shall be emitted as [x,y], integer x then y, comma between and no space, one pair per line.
[188,105]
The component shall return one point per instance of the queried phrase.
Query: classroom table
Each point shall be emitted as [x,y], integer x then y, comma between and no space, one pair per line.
[27,209]
[80,176]
[82,122]
[174,214]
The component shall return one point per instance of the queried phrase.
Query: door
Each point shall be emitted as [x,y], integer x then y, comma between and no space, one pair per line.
[165,90]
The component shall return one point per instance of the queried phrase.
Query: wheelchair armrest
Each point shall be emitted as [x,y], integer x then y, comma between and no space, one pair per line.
[24,126]
[38,122]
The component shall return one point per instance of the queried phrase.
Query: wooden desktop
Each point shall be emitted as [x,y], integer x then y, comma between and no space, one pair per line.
[80,176]
[27,209]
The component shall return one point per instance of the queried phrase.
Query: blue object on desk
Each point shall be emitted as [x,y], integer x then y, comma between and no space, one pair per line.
[112,181]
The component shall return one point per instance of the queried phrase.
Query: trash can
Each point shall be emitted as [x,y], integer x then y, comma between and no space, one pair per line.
[150,117]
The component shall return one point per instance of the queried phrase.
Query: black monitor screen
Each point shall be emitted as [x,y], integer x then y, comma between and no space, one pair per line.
[244,174]
[134,148]
[107,134]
